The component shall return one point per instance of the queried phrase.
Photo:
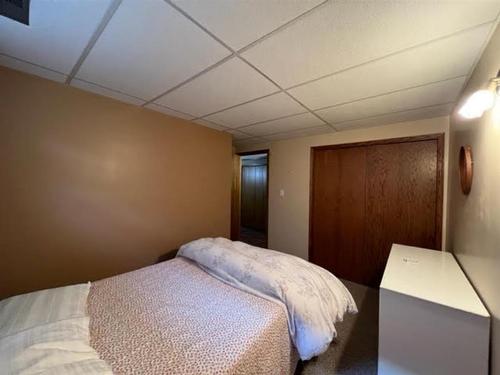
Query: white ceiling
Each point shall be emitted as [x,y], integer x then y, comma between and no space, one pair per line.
[262,70]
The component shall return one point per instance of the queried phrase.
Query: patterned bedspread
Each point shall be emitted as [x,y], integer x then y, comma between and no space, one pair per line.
[174,318]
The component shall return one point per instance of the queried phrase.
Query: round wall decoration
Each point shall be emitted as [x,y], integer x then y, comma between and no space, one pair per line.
[465,162]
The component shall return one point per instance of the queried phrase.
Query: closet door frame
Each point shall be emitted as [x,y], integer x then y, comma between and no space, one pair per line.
[439,137]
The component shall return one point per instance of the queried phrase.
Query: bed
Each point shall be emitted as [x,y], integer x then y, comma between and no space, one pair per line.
[213,309]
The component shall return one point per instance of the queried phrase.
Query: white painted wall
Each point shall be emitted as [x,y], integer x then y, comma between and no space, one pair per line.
[474,228]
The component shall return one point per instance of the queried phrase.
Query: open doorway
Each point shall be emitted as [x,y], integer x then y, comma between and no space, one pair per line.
[250,192]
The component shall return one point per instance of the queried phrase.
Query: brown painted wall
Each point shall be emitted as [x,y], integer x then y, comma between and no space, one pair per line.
[91,187]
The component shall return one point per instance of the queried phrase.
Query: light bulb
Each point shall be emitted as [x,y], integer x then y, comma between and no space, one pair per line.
[477,103]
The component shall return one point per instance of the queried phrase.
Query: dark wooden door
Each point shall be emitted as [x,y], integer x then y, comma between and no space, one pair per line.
[338,207]
[367,196]
[254,197]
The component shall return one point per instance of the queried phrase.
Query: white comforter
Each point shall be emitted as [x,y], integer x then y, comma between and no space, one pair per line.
[315,299]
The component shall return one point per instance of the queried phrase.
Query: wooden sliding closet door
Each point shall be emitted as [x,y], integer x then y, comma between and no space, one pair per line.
[339,208]
[367,196]
[254,197]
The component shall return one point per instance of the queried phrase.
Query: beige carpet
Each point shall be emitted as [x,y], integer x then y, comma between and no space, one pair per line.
[355,349]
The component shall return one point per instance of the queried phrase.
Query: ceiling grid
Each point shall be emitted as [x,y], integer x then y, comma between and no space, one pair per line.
[261,71]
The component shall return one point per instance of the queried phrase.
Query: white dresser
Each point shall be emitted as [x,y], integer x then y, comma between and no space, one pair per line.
[431,320]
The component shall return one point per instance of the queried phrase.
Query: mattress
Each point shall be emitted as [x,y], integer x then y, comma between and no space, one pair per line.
[174,318]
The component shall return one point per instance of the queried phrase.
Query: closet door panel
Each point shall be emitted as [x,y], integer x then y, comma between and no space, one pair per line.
[254,197]
[367,196]
[247,196]
[338,210]
[260,197]
[401,200]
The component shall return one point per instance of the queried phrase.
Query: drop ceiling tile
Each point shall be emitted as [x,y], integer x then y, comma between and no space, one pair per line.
[268,108]
[230,83]
[168,111]
[87,86]
[342,34]
[239,23]
[58,32]
[209,124]
[411,115]
[238,135]
[411,68]
[300,133]
[433,94]
[248,142]
[302,121]
[31,69]
[148,49]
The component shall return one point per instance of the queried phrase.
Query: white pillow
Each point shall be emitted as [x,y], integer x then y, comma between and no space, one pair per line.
[59,347]
[32,309]
[47,332]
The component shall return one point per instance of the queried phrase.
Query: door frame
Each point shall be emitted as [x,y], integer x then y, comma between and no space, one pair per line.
[439,137]
[236,193]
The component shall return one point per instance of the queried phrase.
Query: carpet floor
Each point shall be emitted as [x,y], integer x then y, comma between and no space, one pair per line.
[253,237]
[355,350]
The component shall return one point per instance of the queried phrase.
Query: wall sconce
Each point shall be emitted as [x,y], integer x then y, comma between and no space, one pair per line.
[481,100]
